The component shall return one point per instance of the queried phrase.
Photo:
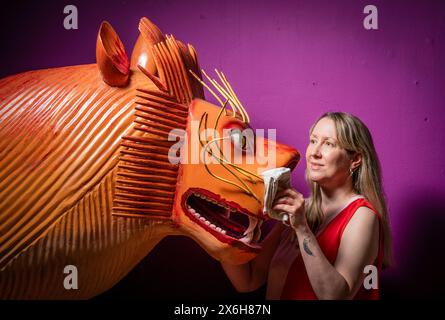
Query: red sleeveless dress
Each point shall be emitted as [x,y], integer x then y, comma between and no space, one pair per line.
[298,286]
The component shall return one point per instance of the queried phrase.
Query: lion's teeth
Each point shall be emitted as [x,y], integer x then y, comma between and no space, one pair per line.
[248,238]
[257,234]
[252,224]
[252,233]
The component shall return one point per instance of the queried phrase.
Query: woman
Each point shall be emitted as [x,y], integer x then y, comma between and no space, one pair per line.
[339,236]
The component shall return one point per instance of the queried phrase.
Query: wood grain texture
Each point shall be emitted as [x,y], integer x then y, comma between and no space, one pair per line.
[104,248]
[60,135]
[75,153]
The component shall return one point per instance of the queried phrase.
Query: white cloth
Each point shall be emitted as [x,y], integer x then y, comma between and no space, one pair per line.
[275,180]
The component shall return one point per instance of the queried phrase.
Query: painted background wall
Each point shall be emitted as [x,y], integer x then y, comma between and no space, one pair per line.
[289,61]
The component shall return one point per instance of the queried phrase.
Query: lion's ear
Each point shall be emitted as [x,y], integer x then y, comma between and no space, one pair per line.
[111,57]
[142,52]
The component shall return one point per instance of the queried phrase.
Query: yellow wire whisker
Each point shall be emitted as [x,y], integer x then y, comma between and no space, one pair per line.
[228,162]
[234,95]
[219,149]
[206,86]
[247,189]
[236,105]
[229,182]
[199,128]
[239,169]
[223,93]
[219,114]
[226,95]
[224,79]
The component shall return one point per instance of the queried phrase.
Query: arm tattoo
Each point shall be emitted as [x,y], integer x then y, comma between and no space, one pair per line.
[306,246]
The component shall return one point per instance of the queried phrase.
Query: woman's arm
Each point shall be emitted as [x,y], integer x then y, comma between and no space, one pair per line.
[358,248]
[252,275]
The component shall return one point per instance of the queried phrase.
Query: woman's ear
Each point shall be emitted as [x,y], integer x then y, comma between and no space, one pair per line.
[356,161]
[111,57]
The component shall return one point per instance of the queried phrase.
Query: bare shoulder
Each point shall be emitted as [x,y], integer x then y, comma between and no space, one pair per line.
[363,226]
[364,217]
[359,246]
[360,241]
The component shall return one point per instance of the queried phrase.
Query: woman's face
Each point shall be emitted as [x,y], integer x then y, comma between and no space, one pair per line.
[328,164]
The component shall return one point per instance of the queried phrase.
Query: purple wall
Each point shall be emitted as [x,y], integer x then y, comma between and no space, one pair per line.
[289,62]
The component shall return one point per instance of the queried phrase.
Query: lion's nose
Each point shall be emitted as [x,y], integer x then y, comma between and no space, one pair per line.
[295,158]
[287,156]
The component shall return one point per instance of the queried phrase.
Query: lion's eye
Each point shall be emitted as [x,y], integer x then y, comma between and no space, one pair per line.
[239,139]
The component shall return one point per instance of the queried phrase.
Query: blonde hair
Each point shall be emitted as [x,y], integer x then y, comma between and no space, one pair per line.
[354,137]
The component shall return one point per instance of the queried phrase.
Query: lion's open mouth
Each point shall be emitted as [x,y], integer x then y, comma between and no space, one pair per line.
[225,220]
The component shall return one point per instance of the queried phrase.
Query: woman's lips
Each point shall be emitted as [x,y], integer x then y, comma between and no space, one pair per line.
[315,166]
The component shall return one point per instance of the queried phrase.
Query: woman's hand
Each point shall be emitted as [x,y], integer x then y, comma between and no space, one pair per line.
[291,202]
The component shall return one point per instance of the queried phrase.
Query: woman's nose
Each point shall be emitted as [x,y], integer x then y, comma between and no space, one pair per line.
[315,150]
